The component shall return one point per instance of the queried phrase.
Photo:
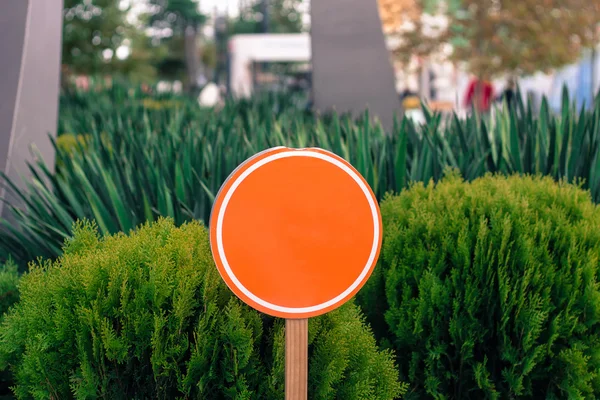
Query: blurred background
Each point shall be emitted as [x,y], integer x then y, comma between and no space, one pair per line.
[439,49]
[161,99]
[182,45]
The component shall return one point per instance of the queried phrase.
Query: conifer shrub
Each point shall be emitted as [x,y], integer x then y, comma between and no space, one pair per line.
[9,286]
[491,289]
[9,295]
[147,316]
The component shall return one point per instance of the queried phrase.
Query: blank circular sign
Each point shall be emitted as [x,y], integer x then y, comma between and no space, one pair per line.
[295,233]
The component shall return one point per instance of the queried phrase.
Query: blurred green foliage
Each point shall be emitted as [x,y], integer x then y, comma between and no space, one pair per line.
[163,155]
[90,28]
[285,16]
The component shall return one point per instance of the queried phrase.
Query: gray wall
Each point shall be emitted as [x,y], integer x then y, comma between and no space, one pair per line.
[351,64]
[30,48]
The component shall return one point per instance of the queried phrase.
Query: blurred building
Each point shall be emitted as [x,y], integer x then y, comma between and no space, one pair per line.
[248,52]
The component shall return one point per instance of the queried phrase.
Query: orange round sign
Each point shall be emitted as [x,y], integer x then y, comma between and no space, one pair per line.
[295,233]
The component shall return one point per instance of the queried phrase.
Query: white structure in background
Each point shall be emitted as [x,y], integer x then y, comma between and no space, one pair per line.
[245,50]
[29,87]
[167,87]
[210,95]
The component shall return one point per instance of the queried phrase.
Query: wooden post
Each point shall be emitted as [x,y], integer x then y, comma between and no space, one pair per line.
[296,359]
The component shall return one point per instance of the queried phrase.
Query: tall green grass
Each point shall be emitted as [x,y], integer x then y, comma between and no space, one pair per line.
[145,157]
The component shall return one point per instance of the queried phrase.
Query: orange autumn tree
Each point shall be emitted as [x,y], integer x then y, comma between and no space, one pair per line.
[396,12]
[493,37]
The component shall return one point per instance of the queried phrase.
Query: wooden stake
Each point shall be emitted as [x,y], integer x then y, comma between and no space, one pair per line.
[296,359]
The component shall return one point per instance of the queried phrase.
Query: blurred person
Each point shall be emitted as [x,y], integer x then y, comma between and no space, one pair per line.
[479,95]
[509,92]
[432,89]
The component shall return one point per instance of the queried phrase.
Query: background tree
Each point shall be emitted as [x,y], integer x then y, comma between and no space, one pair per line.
[395,13]
[181,20]
[494,37]
[92,30]
[285,16]
[140,65]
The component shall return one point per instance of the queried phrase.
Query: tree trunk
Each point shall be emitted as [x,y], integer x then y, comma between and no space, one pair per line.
[192,58]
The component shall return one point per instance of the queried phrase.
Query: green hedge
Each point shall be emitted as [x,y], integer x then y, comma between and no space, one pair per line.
[147,316]
[490,289]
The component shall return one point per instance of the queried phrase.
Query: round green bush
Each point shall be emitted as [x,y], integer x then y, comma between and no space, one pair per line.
[490,289]
[147,316]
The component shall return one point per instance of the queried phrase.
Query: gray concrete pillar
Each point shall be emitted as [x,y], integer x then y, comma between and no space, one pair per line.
[351,64]
[30,48]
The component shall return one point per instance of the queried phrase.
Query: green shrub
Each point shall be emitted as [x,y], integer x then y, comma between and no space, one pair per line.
[148,316]
[491,289]
[9,295]
[9,286]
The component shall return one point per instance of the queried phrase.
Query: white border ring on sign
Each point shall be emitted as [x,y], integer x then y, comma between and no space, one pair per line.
[345,293]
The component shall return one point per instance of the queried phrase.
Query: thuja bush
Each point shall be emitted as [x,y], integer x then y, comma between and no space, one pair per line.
[9,295]
[147,316]
[9,286]
[491,289]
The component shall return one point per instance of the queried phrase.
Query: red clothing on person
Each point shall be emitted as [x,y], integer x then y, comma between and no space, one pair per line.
[487,94]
